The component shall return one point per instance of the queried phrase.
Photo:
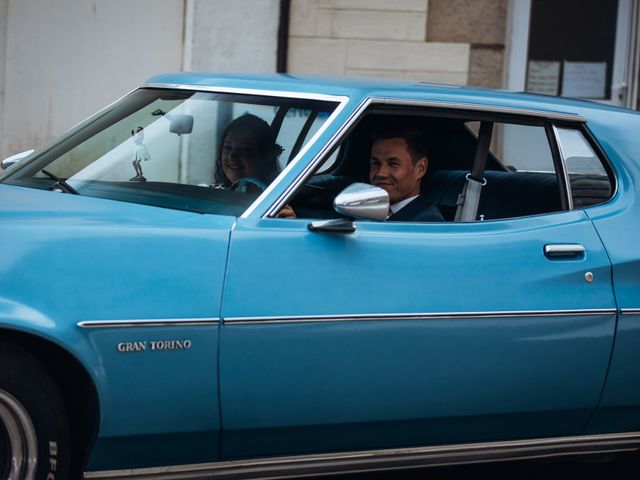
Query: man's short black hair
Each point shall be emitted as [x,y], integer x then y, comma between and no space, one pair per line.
[416,143]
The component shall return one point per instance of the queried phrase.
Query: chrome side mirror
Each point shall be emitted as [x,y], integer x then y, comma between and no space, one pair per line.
[13,159]
[363,201]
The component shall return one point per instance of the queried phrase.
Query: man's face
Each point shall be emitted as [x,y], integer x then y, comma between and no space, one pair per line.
[392,168]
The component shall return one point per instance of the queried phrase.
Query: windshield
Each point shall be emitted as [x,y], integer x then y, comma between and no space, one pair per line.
[197,151]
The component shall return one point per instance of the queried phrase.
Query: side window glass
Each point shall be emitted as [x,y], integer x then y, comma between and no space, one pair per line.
[521,178]
[298,126]
[521,148]
[328,164]
[521,175]
[588,178]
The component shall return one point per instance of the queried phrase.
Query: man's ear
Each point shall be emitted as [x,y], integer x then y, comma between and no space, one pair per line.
[421,166]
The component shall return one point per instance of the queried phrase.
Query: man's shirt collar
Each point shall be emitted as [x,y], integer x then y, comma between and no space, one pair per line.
[401,204]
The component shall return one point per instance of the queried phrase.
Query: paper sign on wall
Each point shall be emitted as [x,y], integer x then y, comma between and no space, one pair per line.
[584,79]
[543,77]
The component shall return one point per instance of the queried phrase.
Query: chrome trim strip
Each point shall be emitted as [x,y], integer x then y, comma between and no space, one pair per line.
[310,168]
[162,322]
[630,311]
[565,172]
[387,459]
[247,91]
[419,316]
[571,117]
[275,208]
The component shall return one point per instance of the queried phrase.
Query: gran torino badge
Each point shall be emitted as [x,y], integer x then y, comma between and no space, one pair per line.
[153,345]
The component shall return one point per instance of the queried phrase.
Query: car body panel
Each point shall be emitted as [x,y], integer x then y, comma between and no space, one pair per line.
[378,382]
[99,260]
[616,223]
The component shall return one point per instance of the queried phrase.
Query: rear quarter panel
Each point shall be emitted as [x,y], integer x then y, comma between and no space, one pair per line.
[618,224]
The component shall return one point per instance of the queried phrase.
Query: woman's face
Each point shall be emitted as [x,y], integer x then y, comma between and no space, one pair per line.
[240,156]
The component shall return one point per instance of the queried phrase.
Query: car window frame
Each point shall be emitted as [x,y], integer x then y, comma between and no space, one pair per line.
[583,128]
[443,109]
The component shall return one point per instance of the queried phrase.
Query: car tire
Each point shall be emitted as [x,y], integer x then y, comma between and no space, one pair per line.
[34,433]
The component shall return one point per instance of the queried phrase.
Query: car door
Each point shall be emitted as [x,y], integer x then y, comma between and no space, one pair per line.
[407,334]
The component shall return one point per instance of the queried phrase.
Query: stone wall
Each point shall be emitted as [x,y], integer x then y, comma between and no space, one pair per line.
[479,23]
[449,41]
[373,38]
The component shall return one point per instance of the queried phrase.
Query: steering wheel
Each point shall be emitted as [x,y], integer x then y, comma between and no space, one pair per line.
[248,184]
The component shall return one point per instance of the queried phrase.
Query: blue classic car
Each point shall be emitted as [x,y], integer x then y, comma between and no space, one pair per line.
[214,276]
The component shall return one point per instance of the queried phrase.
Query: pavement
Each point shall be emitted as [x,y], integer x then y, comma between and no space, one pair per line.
[619,467]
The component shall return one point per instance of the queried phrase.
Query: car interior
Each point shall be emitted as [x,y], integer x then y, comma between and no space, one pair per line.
[508,192]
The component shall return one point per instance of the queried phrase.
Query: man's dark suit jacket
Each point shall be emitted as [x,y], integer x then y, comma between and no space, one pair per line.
[418,210]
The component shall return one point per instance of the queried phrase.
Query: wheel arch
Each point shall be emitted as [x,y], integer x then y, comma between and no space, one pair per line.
[76,388]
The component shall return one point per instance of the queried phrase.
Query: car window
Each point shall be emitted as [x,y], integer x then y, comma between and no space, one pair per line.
[198,151]
[298,126]
[520,173]
[522,148]
[590,184]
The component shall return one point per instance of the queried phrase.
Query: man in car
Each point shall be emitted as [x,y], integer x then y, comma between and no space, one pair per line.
[397,164]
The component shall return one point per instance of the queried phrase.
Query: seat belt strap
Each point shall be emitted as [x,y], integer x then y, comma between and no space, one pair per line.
[469,199]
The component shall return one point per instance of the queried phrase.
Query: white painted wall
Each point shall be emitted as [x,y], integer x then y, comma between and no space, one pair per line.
[65,59]
[232,36]
[4,6]
[517,44]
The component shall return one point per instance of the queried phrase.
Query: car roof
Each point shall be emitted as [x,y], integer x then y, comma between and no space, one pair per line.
[362,87]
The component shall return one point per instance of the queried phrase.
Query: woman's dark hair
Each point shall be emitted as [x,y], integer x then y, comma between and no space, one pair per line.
[265,144]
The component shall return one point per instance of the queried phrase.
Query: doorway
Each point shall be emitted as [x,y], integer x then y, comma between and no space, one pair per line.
[575,48]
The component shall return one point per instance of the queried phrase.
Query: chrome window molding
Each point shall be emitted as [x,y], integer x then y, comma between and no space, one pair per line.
[565,172]
[442,104]
[300,179]
[275,208]
[611,174]
[162,322]
[417,316]
[248,91]
[310,168]
[388,459]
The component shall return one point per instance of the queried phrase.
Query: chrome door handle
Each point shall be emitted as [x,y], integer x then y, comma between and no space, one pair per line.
[564,250]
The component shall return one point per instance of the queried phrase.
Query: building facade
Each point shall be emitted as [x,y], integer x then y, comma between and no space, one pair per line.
[61,60]
[577,48]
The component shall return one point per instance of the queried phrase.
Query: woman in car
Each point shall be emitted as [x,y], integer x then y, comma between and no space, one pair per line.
[247,158]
